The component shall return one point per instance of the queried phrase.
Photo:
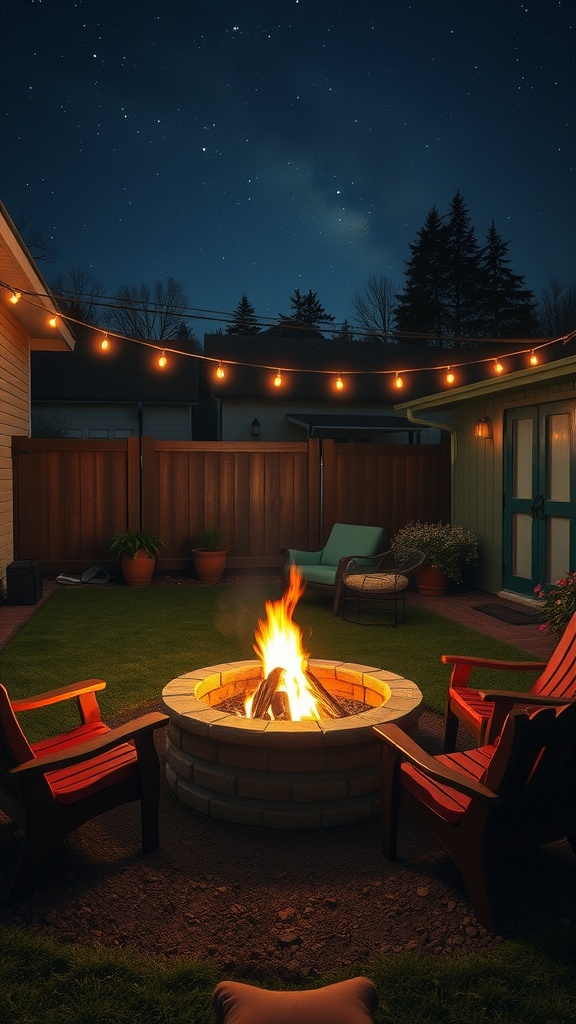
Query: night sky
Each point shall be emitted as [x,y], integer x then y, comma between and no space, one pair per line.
[261,147]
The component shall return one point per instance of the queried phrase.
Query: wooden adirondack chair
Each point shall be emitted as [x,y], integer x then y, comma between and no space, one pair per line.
[486,802]
[50,788]
[555,685]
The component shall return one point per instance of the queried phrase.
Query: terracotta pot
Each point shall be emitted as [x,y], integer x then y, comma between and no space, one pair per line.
[431,581]
[138,571]
[209,565]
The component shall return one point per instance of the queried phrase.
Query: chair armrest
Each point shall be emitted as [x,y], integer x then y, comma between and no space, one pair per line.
[505,700]
[517,697]
[40,700]
[396,738]
[91,748]
[512,666]
[464,664]
[302,557]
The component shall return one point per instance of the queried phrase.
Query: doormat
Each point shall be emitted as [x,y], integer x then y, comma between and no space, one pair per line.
[515,616]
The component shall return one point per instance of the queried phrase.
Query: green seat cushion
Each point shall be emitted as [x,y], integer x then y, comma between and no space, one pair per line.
[325,574]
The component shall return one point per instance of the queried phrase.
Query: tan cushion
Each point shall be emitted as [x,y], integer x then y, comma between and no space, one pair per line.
[346,1002]
[378,582]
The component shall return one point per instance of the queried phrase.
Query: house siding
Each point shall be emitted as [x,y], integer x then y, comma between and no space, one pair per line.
[14,420]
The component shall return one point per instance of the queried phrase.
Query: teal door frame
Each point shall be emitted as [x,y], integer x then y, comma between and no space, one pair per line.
[534,517]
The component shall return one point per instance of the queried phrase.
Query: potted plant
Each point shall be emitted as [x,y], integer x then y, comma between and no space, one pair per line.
[449,550]
[137,553]
[209,556]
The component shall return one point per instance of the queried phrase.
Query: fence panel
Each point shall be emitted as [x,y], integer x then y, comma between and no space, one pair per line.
[71,496]
[262,496]
[384,485]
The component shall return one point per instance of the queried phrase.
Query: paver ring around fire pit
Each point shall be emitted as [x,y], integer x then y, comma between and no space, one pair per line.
[277,774]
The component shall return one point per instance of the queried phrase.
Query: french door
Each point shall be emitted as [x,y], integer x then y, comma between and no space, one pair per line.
[539,495]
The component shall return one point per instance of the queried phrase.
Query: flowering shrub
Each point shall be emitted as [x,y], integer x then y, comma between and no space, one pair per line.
[558,605]
[450,548]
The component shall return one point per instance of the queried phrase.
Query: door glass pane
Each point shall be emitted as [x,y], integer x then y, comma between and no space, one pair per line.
[522,545]
[558,545]
[558,457]
[522,467]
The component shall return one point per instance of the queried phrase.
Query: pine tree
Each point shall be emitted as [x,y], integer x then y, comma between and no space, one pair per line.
[509,309]
[244,319]
[462,299]
[308,309]
[344,333]
[421,305]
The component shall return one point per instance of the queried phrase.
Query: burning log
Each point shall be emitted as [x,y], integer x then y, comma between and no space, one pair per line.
[280,706]
[323,697]
[265,693]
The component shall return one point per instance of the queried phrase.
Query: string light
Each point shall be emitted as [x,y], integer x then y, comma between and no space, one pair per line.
[105,343]
[39,299]
[278,379]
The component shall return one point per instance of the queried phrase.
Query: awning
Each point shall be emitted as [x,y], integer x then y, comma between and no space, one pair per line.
[315,423]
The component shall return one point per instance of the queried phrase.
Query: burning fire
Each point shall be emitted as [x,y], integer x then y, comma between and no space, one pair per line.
[278,644]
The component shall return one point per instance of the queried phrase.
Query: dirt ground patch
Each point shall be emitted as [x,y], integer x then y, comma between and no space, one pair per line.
[258,900]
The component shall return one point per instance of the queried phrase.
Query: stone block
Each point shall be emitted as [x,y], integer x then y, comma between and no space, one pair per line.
[214,780]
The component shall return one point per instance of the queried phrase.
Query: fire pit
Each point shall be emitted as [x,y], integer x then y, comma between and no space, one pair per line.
[292,775]
[286,741]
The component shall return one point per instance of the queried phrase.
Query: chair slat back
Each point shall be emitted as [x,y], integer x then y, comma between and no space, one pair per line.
[533,769]
[559,677]
[14,747]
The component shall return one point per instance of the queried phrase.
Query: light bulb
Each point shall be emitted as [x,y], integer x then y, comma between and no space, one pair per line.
[105,343]
[450,378]
[15,297]
[339,384]
[498,366]
[534,358]
[53,321]
[220,371]
[278,379]
[162,360]
[398,382]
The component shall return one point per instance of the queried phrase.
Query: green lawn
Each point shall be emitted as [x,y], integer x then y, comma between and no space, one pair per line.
[137,640]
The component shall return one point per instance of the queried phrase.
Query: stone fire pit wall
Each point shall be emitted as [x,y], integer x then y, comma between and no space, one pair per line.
[287,775]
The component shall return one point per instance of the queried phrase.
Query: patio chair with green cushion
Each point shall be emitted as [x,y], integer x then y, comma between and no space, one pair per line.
[324,568]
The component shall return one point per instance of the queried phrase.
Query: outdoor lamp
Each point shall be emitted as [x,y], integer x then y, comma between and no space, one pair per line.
[483,430]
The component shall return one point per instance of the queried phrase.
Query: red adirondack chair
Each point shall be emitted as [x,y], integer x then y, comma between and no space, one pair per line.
[486,802]
[50,788]
[555,685]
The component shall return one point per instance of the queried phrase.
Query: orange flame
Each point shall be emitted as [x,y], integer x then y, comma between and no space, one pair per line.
[278,644]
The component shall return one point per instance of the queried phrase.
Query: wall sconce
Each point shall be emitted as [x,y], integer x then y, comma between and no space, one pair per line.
[255,427]
[483,429]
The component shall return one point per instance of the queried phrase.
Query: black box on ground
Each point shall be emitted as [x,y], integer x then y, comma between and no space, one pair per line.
[24,582]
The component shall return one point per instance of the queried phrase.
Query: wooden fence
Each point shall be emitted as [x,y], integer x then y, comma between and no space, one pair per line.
[71,496]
